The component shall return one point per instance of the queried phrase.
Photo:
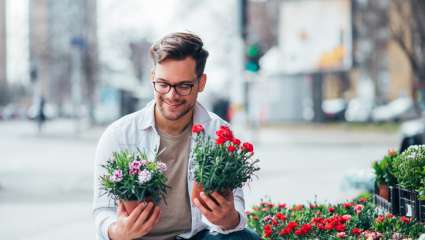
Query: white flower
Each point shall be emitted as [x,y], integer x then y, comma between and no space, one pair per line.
[144,176]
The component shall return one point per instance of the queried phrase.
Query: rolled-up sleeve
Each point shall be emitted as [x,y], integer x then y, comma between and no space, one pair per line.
[240,207]
[104,209]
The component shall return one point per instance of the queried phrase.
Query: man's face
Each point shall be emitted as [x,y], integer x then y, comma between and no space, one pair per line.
[171,105]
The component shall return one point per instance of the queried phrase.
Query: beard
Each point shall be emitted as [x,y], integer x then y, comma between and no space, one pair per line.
[173,110]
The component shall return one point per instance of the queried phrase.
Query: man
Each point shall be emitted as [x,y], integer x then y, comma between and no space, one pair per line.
[165,125]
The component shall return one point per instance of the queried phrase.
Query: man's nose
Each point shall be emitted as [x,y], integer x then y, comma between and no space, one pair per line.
[172,92]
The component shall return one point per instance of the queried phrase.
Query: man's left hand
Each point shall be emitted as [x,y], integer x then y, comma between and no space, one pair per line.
[221,210]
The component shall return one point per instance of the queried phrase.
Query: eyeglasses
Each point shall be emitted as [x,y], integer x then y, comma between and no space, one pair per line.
[182,89]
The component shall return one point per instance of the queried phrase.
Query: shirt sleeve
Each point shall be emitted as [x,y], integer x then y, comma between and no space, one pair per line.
[240,208]
[104,208]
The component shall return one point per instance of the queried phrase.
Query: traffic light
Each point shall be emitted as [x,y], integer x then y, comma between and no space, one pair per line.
[253,54]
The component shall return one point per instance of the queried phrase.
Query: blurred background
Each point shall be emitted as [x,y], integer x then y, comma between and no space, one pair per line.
[321,87]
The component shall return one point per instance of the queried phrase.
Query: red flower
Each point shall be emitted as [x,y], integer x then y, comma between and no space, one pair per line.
[280,216]
[285,231]
[231,148]
[236,141]
[340,227]
[268,230]
[347,205]
[197,128]
[282,205]
[220,141]
[331,209]
[363,200]
[292,225]
[225,133]
[356,231]
[405,219]
[248,147]
[380,219]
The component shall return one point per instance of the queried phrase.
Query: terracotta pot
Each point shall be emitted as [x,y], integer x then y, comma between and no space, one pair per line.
[384,191]
[130,205]
[198,188]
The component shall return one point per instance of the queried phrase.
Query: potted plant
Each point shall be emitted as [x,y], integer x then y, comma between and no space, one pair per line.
[410,169]
[221,164]
[131,178]
[384,173]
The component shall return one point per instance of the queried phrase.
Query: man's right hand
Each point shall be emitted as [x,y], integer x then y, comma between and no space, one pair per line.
[139,223]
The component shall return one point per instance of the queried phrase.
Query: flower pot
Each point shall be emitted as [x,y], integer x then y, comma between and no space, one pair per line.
[384,191]
[198,188]
[130,205]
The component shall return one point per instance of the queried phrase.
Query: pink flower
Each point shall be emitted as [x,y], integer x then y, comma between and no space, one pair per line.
[341,235]
[380,219]
[135,167]
[162,167]
[282,205]
[346,217]
[358,208]
[117,177]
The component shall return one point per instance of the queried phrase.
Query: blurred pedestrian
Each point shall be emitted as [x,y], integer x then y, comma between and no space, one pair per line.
[40,115]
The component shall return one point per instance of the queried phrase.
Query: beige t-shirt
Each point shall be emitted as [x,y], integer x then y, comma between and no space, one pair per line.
[175,217]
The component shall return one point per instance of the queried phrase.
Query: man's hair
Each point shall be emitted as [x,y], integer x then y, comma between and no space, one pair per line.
[178,46]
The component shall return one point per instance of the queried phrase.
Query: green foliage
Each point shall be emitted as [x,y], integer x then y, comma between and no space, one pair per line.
[410,169]
[123,180]
[385,169]
[219,169]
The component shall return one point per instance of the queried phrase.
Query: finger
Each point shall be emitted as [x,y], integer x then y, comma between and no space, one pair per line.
[219,198]
[144,215]
[201,208]
[209,202]
[136,212]
[152,220]
[121,211]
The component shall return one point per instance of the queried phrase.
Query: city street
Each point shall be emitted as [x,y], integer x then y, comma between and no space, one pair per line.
[46,180]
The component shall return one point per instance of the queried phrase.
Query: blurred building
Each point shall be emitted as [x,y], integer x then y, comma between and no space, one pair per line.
[333,50]
[63,52]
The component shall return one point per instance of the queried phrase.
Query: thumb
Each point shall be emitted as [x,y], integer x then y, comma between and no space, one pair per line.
[121,211]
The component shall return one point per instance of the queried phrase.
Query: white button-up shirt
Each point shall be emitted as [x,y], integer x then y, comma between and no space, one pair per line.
[137,130]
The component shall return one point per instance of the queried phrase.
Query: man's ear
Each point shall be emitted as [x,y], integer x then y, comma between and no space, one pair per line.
[202,82]
[152,74]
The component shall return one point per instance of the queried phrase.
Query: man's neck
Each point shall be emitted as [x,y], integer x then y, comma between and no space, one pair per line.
[172,127]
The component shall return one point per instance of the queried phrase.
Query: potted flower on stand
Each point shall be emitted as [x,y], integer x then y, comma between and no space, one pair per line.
[221,164]
[410,172]
[131,178]
[384,174]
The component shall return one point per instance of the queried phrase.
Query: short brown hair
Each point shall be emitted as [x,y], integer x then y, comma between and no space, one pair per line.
[179,46]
